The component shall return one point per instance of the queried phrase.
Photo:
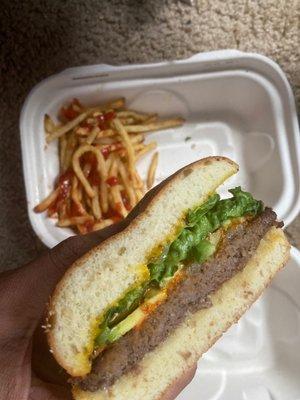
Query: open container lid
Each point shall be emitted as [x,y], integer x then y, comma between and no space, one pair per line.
[238,105]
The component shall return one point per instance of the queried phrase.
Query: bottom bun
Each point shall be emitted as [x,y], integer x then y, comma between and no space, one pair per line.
[160,374]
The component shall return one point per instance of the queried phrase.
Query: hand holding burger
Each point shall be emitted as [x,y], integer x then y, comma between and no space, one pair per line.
[28,370]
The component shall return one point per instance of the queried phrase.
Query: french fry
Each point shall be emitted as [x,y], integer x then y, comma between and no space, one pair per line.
[62,152]
[87,169]
[106,133]
[152,170]
[92,136]
[75,220]
[105,140]
[137,138]
[135,115]
[67,127]
[97,113]
[139,194]
[79,192]
[154,126]
[95,204]
[106,107]
[49,124]
[127,143]
[151,119]
[62,209]
[108,162]
[101,167]
[43,205]
[113,170]
[102,224]
[82,229]
[77,108]
[82,131]
[76,195]
[104,196]
[70,148]
[110,200]
[138,181]
[128,121]
[138,146]
[88,201]
[127,185]
[148,147]
[116,104]
[116,197]
[118,202]
[117,148]
[113,147]
[121,187]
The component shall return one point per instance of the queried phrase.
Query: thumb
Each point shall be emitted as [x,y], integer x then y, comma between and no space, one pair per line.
[25,291]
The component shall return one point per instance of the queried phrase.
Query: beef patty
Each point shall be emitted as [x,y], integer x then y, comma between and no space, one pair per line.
[189,295]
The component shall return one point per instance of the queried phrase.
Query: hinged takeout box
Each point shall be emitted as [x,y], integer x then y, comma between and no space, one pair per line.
[238,105]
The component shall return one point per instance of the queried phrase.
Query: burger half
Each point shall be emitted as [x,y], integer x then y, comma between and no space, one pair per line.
[130,318]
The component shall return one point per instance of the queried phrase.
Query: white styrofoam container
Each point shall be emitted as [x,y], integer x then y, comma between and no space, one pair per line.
[238,105]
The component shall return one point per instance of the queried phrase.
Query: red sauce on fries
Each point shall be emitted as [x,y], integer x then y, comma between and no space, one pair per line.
[98,149]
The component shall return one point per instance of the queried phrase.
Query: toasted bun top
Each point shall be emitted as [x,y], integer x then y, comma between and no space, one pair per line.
[100,277]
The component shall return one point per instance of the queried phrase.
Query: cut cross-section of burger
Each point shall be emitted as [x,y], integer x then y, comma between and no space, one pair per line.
[159,293]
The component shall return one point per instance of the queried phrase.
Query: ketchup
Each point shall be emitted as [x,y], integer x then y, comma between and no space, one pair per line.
[103,119]
[125,200]
[76,102]
[109,115]
[87,158]
[75,210]
[106,150]
[64,185]
[93,177]
[86,125]
[68,112]
[118,207]
[112,181]
[89,226]
[113,215]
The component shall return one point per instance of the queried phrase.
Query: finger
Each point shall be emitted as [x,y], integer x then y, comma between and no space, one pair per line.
[47,391]
[33,284]
[25,292]
[43,363]
[177,387]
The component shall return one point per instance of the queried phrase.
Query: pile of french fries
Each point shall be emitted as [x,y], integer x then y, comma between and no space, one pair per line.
[98,150]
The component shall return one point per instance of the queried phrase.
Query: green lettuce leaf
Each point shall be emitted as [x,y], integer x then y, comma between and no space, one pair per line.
[191,244]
